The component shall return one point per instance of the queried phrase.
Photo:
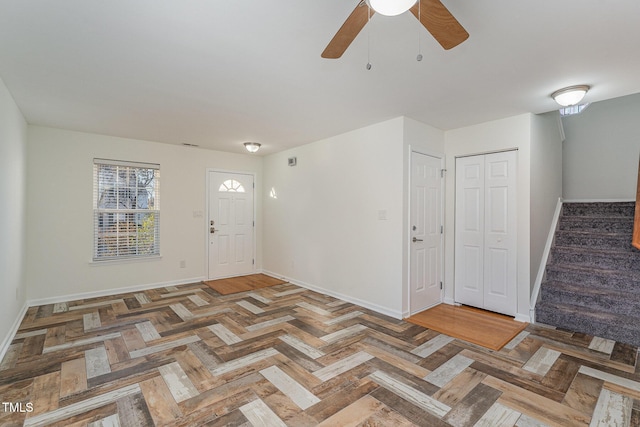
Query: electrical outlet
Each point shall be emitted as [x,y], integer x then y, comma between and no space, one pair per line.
[183,264]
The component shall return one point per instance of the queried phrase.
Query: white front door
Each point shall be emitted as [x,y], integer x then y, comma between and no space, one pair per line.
[231,225]
[486,232]
[426,232]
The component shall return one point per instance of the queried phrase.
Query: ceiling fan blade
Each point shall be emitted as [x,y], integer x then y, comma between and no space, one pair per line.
[442,25]
[348,32]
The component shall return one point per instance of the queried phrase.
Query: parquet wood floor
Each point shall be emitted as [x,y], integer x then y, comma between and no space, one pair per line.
[283,355]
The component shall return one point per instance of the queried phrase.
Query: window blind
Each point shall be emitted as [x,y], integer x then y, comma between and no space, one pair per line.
[126,206]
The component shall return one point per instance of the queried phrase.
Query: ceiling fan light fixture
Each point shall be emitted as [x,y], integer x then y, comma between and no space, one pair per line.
[391,7]
[252,147]
[571,95]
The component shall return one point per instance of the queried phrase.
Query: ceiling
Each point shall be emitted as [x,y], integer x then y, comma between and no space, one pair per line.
[218,73]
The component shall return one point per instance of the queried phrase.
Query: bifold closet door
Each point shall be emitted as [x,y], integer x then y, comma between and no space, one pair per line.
[486,232]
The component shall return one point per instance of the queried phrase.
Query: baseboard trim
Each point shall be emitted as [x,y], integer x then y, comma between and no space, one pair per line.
[108,292]
[450,301]
[366,304]
[4,347]
[545,255]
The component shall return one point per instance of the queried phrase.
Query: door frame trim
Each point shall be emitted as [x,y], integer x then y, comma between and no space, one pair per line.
[206,218]
[407,236]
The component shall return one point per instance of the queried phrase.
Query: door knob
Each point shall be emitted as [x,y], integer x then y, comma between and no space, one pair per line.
[416,240]
[212,230]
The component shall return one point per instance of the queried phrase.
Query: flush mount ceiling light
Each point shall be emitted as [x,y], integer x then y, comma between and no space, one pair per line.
[252,147]
[391,7]
[571,95]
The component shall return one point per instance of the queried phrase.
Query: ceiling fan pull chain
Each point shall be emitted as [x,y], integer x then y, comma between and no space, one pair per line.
[419,57]
[368,37]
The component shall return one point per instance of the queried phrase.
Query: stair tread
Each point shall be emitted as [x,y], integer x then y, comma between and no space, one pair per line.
[592,290]
[591,269]
[613,217]
[605,316]
[599,251]
[622,328]
[595,233]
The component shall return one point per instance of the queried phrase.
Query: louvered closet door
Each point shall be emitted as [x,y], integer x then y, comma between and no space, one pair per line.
[486,239]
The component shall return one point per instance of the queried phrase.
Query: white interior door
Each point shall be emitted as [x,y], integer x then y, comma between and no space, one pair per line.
[469,237]
[500,230]
[486,232]
[231,225]
[426,232]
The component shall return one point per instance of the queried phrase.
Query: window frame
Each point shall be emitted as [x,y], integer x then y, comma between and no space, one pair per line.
[127,210]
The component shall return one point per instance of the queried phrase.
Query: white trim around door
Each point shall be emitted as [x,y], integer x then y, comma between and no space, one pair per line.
[426,228]
[230,224]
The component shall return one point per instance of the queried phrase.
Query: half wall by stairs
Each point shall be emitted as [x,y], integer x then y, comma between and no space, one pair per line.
[592,282]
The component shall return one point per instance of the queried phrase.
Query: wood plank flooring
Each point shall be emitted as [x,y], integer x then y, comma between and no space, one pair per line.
[491,330]
[234,285]
[287,356]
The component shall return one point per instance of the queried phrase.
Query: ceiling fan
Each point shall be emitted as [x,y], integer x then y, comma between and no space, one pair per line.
[432,14]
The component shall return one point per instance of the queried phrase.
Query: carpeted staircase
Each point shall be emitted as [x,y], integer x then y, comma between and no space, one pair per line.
[592,282]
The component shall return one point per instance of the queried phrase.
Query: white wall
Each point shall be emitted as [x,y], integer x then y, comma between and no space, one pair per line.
[509,133]
[423,138]
[60,221]
[546,181]
[13,143]
[323,230]
[601,151]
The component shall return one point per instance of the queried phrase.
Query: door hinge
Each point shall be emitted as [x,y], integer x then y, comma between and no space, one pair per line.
[440,285]
[442,171]
[441,229]
[253,262]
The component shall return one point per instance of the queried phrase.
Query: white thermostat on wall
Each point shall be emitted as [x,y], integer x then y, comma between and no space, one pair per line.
[292,161]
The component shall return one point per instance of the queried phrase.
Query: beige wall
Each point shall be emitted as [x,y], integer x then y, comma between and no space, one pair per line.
[601,151]
[510,133]
[60,221]
[323,229]
[13,142]
[546,182]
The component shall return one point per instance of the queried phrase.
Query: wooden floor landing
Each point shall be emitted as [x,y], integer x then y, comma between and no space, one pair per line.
[283,355]
[490,330]
[234,285]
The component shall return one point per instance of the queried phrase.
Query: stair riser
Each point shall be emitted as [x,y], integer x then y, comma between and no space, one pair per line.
[629,306]
[626,262]
[626,283]
[573,321]
[599,209]
[617,242]
[620,225]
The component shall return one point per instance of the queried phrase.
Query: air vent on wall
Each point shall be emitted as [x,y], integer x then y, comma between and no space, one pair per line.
[292,161]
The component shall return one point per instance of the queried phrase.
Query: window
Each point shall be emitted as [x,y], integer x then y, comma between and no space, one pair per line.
[231,186]
[126,207]
[573,109]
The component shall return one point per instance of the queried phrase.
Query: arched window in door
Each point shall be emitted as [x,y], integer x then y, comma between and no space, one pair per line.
[231,186]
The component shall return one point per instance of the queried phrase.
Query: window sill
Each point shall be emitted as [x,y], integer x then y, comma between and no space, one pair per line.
[125,260]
